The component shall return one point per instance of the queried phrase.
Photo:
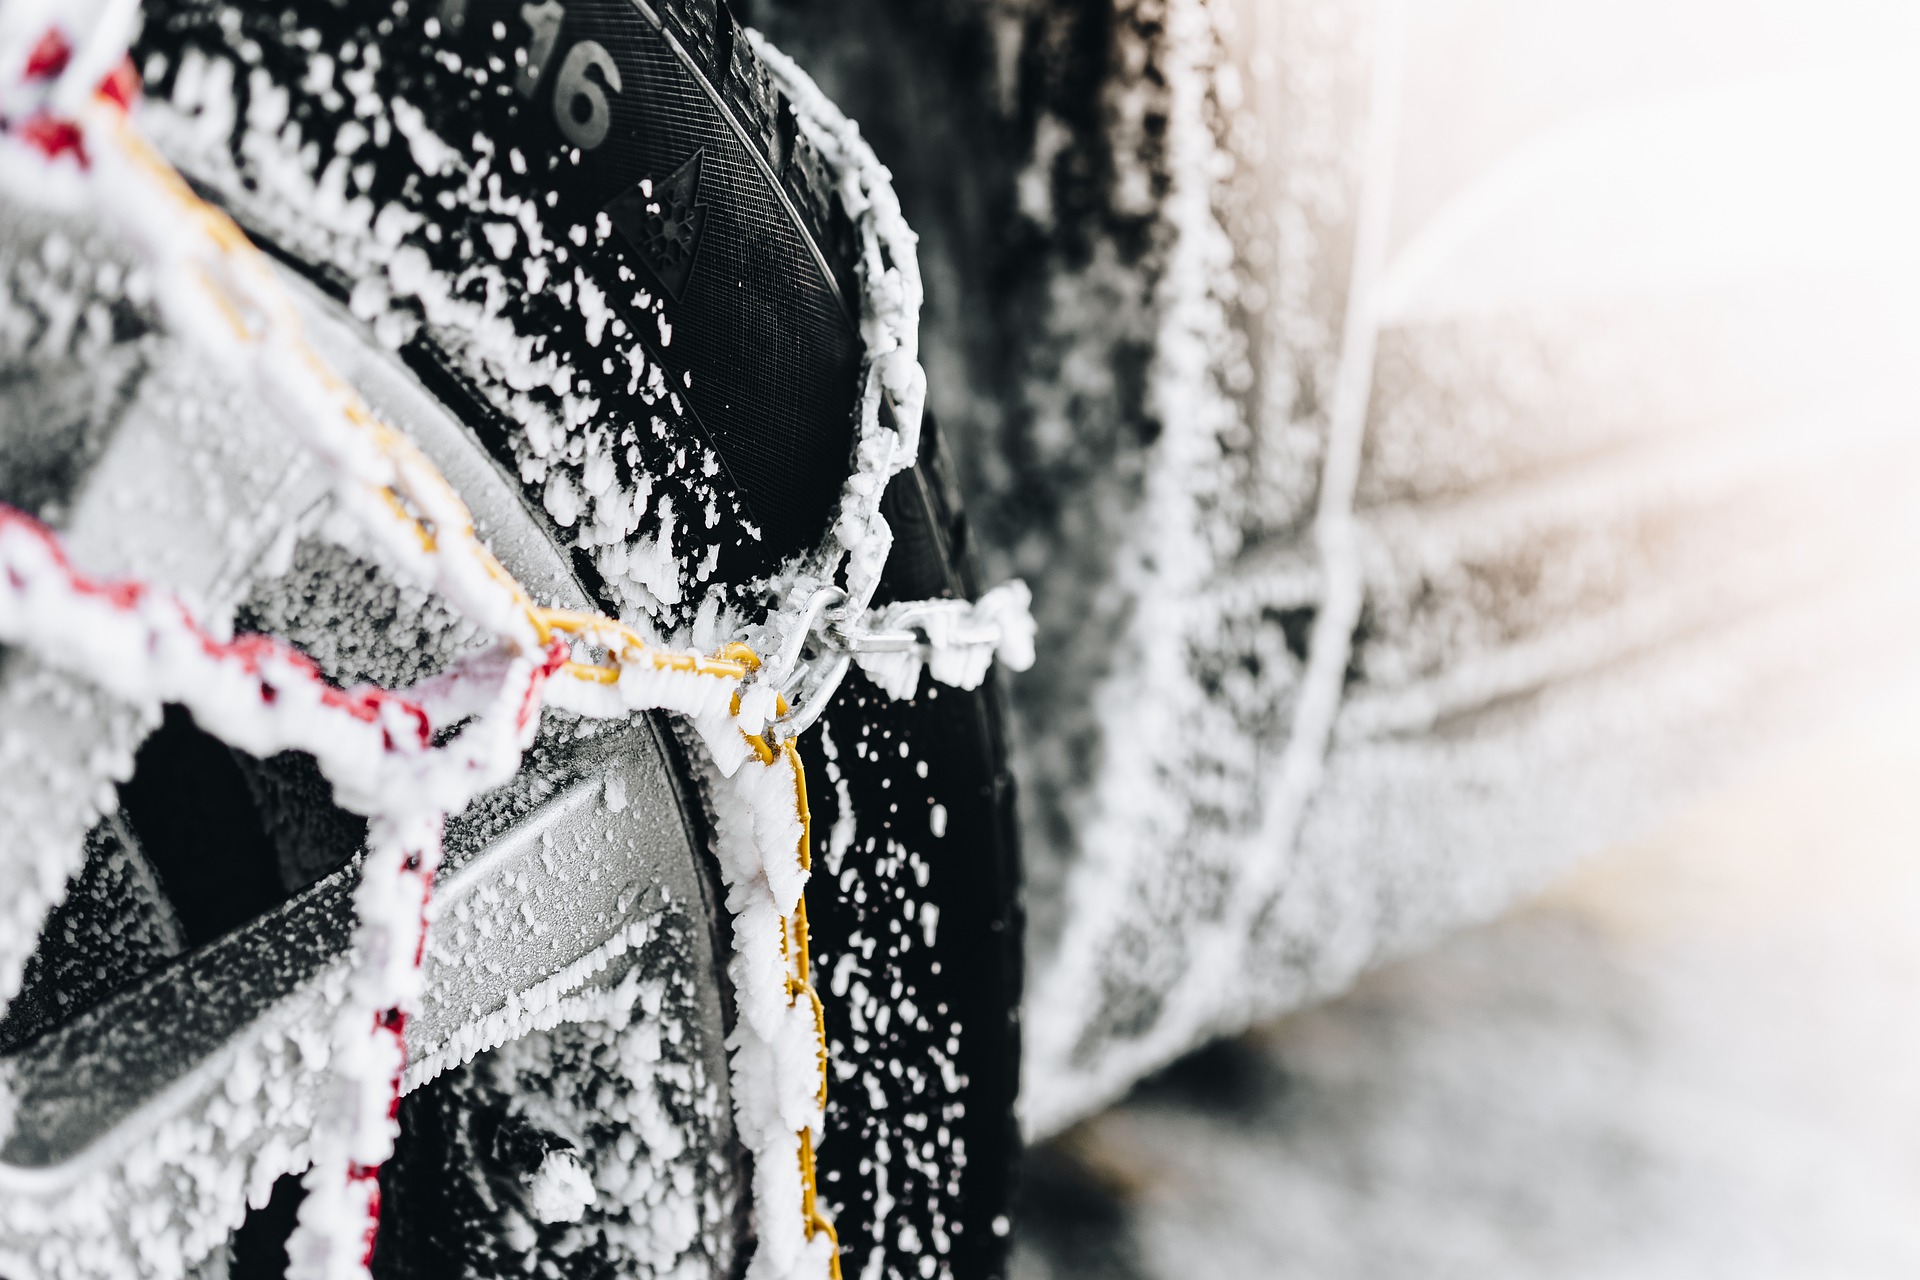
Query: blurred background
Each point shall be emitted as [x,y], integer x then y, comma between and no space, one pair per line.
[1693,1056]
[1467,456]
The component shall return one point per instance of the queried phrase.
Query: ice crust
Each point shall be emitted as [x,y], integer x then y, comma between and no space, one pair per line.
[630,1092]
[51,806]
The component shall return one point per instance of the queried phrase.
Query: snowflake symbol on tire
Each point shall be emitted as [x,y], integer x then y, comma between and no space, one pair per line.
[663,220]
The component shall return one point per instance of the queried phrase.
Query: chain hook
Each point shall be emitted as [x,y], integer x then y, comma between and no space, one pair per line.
[809,685]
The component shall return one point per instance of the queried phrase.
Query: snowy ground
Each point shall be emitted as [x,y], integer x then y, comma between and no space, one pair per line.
[1696,1057]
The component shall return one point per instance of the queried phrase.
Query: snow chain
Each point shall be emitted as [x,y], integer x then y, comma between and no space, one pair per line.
[218,290]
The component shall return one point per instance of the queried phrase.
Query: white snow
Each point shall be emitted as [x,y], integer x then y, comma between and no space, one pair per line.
[561,1190]
[144,648]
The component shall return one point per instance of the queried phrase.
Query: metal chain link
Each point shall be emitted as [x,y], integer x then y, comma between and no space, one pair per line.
[893,643]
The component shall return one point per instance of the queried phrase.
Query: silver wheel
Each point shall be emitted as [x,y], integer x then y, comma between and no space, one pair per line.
[164,1052]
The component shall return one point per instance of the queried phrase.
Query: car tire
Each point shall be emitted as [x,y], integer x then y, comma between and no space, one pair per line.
[915,918]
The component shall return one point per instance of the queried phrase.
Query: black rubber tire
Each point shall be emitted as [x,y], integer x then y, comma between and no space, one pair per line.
[967,982]
[762,295]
